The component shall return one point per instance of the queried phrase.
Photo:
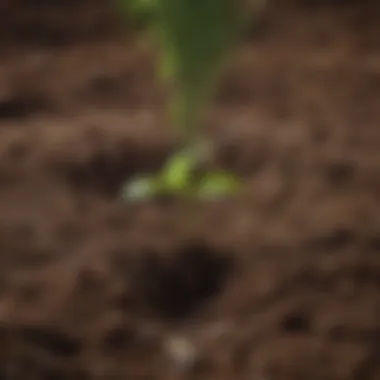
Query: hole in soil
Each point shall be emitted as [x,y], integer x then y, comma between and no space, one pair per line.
[102,172]
[88,282]
[31,293]
[339,173]
[312,4]
[22,106]
[55,23]
[54,374]
[46,3]
[102,88]
[372,243]
[116,339]
[43,35]
[78,374]
[106,172]
[180,286]
[32,259]
[295,323]
[363,274]
[51,340]
[336,239]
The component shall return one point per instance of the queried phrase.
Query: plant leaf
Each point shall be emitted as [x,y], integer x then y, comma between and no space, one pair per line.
[196,38]
[218,184]
[179,170]
[138,8]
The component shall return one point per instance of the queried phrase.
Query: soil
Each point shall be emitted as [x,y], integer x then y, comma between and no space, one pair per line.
[281,282]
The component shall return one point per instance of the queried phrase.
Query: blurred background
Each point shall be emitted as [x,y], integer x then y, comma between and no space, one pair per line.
[91,288]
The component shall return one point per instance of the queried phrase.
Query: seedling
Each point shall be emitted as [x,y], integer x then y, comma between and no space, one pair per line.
[196,38]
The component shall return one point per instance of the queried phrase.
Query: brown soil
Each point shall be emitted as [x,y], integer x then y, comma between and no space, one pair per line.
[282,282]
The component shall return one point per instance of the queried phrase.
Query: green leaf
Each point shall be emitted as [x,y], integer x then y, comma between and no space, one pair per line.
[177,173]
[175,178]
[180,180]
[138,7]
[196,37]
[140,13]
[218,184]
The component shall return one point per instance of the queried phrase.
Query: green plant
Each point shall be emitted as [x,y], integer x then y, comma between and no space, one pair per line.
[196,38]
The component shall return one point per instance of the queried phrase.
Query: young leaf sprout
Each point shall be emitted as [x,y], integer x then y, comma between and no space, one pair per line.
[196,37]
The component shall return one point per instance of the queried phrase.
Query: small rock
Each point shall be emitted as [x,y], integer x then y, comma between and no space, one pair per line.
[182,353]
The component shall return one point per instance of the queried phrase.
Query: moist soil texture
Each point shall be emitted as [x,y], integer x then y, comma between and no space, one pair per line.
[281,282]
